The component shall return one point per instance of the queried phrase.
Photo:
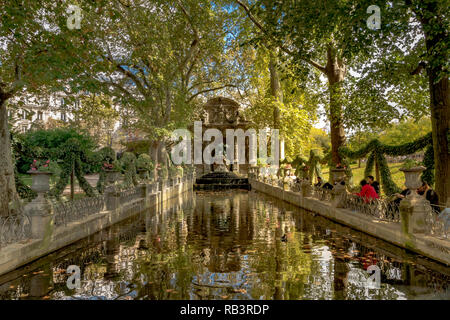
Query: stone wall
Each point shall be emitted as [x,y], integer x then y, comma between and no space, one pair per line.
[56,237]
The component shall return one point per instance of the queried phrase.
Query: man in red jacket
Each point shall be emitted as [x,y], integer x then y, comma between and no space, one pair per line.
[368,192]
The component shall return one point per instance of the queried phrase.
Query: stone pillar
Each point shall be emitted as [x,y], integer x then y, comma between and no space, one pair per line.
[339,193]
[112,198]
[306,188]
[414,208]
[413,211]
[40,210]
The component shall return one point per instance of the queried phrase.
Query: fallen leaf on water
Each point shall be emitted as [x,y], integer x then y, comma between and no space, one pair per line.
[46,297]
[224,297]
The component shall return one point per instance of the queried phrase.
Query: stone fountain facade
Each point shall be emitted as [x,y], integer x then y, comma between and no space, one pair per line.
[223,113]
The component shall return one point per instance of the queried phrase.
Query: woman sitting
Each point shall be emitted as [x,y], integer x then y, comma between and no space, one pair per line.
[368,192]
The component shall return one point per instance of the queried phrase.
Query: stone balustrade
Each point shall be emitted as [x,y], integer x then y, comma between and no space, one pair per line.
[41,228]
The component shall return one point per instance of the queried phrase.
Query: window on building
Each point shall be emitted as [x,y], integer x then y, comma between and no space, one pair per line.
[40,115]
[63,116]
[10,113]
[24,128]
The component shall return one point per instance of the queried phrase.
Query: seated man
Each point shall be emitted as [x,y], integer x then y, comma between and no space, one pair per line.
[400,196]
[367,192]
[374,184]
[430,195]
[319,182]
[328,186]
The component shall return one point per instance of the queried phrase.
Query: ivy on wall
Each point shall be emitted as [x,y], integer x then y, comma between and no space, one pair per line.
[376,151]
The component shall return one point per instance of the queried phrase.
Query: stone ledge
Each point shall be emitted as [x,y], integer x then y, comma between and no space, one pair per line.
[431,247]
[18,254]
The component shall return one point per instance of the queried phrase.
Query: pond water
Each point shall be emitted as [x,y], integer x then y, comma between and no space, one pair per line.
[229,245]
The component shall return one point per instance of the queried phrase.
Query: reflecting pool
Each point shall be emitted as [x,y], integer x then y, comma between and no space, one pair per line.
[229,245]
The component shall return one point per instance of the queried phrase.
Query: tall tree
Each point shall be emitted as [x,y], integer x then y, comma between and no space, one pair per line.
[35,52]
[409,66]
[306,32]
[157,58]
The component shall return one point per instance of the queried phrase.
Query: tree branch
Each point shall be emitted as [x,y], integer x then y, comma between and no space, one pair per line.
[280,45]
[211,89]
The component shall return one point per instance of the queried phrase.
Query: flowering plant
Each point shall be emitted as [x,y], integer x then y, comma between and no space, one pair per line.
[40,165]
[114,166]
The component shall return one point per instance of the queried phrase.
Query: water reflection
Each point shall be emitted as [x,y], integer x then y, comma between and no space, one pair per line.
[229,245]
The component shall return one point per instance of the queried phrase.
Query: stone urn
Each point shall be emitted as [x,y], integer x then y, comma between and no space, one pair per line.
[413,208]
[112,176]
[143,174]
[40,182]
[338,175]
[412,178]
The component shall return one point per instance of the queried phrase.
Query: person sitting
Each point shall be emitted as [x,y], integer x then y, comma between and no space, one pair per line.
[319,182]
[430,195]
[328,186]
[374,184]
[367,192]
[400,196]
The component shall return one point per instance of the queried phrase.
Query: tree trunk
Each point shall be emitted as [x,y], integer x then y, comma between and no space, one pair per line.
[72,183]
[440,121]
[335,71]
[275,89]
[7,184]
[436,35]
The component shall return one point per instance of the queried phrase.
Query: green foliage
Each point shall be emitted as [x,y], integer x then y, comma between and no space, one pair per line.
[388,184]
[106,156]
[428,162]
[173,171]
[144,161]
[138,147]
[370,164]
[375,150]
[96,115]
[163,172]
[410,163]
[46,144]
[70,155]
[128,162]
[23,190]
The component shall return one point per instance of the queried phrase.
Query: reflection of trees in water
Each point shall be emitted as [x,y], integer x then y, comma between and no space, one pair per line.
[349,253]
[230,246]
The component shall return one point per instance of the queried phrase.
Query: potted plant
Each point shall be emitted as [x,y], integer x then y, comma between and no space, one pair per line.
[144,165]
[412,170]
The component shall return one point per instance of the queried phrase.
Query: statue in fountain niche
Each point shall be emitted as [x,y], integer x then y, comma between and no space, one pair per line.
[222,167]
